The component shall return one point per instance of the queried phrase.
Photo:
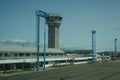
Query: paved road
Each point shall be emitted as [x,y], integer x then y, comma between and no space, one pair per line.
[99,71]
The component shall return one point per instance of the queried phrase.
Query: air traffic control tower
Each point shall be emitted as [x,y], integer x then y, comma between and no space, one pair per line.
[53,21]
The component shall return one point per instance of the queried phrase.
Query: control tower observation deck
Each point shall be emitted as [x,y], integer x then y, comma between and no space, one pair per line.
[53,21]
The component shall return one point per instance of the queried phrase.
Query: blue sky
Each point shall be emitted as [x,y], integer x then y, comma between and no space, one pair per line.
[18,21]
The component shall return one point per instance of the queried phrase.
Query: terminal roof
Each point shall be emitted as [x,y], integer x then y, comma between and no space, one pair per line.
[28,49]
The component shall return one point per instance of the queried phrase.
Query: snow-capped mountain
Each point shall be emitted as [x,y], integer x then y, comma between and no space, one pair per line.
[17,42]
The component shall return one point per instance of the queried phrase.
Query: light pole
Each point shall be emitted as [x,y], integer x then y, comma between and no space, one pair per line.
[93,46]
[38,40]
[115,40]
[44,68]
[39,14]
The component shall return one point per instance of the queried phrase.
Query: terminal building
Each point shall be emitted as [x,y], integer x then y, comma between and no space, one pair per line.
[21,57]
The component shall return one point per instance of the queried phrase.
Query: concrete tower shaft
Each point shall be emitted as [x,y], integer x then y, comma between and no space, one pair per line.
[53,21]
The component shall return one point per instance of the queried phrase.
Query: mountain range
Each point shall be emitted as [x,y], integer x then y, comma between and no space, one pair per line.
[17,42]
[27,43]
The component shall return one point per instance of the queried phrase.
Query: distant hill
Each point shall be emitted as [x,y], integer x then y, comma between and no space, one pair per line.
[17,42]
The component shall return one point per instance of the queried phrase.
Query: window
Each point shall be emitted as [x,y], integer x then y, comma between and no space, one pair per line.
[7,54]
[21,54]
[15,54]
[1,54]
[27,54]
[33,54]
